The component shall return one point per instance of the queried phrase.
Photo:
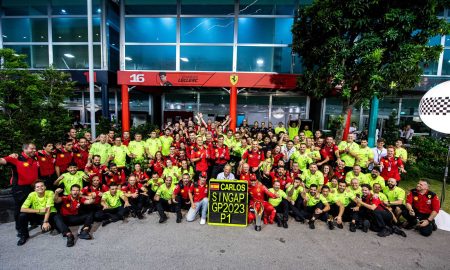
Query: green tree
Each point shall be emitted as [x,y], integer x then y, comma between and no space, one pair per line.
[356,49]
[31,105]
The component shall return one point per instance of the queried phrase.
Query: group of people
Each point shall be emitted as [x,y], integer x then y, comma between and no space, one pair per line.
[291,172]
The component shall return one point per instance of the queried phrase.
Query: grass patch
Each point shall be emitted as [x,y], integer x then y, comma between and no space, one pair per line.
[435,186]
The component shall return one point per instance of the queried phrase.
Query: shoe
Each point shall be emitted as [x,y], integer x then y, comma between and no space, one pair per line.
[398,231]
[22,240]
[330,225]
[278,222]
[179,217]
[70,240]
[106,222]
[133,214]
[140,216]
[383,233]
[365,226]
[162,219]
[311,224]
[150,210]
[202,221]
[285,225]
[85,235]
[352,227]
[299,219]
[258,228]
[340,226]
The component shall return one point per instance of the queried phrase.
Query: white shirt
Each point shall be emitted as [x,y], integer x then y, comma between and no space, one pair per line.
[409,134]
[287,153]
[222,176]
[377,155]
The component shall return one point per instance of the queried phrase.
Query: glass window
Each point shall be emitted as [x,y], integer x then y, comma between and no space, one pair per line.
[74,56]
[179,100]
[150,29]
[150,57]
[447,41]
[206,58]
[225,7]
[74,7]
[207,30]
[74,29]
[436,40]
[430,68]
[265,30]
[217,103]
[264,59]
[25,30]
[446,63]
[37,55]
[267,7]
[298,64]
[254,107]
[138,101]
[387,106]
[24,7]
[159,7]
[410,106]
[283,106]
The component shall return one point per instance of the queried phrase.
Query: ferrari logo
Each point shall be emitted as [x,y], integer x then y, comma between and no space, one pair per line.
[234,79]
[26,164]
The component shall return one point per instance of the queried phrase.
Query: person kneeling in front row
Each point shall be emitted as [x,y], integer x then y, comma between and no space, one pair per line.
[198,195]
[112,205]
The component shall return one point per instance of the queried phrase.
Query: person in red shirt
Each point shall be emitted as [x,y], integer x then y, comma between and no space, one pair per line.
[136,194]
[339,171]
[221,155]
[71,215]
[282,177]
[422,206]
[181,195]
[115,175]
[95,191]
[141,176]
[254,157]
[198,195]
[173,155]
[64,158]
[126,138]
[277,155]
[72,136]
[191,143]
[244,172]
[375,215]
[390,166]
[329,152]
[47,165]
[95,168]
[25,170]
[157,164]
[199,157]
[81,154]
[257,193]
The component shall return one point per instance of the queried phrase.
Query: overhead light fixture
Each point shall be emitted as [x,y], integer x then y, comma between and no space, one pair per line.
[99,10]
[128,58]
[260,62]
[5,36]
[63,11]
[184,59]
[68,55]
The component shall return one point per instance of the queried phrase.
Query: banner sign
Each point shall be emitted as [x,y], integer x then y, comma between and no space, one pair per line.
[207,79]
[228,203]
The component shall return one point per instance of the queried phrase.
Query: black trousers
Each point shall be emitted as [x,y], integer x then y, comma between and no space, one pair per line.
[413,220]
[163,205]
[24,218]
[283,209]
[136,203]
[115,214]
[20,194]
[309,212]
[63,222]
[297,207]
[379,219]
[349,214]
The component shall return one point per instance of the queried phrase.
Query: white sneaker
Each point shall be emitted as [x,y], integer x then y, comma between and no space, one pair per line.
[203,221]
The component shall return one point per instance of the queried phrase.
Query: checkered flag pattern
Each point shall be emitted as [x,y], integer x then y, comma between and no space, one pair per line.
[435,106]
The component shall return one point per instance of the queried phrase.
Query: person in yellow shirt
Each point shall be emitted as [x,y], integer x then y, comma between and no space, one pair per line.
[166,142]
[38,207]
[172,171]
[374,177]
[355,173]
[296,201]
[137,148]
[280,203]
[348,151]
[400,151]
[153,144]
[280,128]
[113,210]
[308,132]
[118,153]
[364,156]
[396,196]
[293,128]
[316,206]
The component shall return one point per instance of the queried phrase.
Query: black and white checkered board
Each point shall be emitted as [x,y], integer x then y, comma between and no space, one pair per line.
[435,106]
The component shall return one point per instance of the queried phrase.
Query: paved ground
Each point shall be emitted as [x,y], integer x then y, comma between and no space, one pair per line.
[145,244]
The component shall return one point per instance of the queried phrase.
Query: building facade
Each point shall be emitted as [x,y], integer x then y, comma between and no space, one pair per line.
[193,37]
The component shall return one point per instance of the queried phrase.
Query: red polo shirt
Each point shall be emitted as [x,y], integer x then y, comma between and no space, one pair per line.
[46,163]
[220,155]
[86,191]
[118,178]
[198,192]
[203,154]
[329,151]
[423,203]
[253,157]
[184,192]
[390,168]
[70,205]
[132,189]
[63,160]
[25,169]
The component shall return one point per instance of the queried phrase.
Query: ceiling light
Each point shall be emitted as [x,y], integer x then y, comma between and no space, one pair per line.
[128,58]
[63,11]
[184,59]
[260,62]
[68,55]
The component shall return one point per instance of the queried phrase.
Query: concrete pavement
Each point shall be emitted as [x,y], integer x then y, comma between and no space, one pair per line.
[146,244]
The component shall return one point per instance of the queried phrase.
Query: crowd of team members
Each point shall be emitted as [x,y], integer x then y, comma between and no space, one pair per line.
[290,172]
